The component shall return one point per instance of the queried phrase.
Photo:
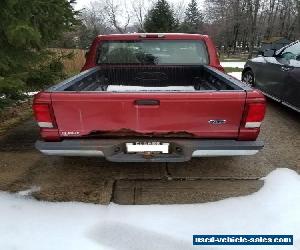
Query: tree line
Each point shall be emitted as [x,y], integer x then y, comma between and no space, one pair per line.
[235,25]
[113,16]
[245,23]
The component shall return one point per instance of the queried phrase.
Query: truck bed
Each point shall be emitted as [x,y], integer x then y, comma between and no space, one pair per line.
[155,78]
[201,96]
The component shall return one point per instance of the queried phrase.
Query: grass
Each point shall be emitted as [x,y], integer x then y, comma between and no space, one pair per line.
[231,69]
[234,58]
[14,115]
[73,65]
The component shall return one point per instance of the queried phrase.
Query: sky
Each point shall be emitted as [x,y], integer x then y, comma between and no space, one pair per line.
[82,3]
[179,7]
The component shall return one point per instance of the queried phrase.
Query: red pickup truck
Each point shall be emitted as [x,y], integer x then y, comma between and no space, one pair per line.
[150,97]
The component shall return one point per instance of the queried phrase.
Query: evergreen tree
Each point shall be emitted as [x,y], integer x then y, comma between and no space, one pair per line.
[193,18]
[160,18]
[26,28]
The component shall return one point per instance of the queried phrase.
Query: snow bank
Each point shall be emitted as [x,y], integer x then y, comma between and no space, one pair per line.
[27,224]
[31,93]
[237,75]
[124,88]
[239,65]
[25,93]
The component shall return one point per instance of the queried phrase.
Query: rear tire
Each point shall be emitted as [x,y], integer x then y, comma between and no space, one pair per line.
[248,78]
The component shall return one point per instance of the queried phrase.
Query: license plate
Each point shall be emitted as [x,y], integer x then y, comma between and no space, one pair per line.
[141,147]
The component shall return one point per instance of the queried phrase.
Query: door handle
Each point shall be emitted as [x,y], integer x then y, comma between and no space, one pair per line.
[147,102]
[284,68]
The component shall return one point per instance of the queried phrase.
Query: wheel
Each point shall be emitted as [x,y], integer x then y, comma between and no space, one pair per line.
[248,78]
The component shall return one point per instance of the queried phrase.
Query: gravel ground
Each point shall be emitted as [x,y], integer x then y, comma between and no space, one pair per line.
[98,181]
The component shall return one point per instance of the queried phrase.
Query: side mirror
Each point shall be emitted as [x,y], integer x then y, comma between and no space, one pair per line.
[269,53]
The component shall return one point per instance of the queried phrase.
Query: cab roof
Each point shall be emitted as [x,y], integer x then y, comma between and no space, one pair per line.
[161,36]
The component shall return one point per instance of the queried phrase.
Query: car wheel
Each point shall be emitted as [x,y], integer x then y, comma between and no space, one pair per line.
[248,78]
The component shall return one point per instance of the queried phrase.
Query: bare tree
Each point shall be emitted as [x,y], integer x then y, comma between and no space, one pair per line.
[271,15]
[94,19]
[179,9]
[139,11]
[114,11]
[253,7]
[298,17]
[248,22]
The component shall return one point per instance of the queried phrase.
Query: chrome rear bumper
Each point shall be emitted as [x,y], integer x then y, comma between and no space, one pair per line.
[181,149]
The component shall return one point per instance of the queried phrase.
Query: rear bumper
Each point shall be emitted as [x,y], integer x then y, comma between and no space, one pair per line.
[180,149]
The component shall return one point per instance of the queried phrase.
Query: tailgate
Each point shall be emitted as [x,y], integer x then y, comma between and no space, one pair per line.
[201,114]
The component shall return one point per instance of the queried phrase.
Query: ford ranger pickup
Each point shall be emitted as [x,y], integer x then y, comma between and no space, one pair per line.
[150,97]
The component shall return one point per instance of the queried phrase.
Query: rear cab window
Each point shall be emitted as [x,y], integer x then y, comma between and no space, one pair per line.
[153,52]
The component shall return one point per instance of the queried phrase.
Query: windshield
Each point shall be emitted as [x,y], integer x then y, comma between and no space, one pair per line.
[291,48]
[292,52]
[153,52]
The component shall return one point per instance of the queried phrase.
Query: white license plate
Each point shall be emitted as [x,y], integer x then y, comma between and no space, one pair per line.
[140,147]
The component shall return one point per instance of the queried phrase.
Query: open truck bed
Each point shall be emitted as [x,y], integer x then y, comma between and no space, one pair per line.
[149,113]
[153,78]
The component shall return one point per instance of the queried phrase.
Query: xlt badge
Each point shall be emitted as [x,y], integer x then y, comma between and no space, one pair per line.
[217,122]
[70,133]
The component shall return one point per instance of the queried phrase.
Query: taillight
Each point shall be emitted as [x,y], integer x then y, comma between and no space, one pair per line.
[255,113]
[152,35]
[43,115]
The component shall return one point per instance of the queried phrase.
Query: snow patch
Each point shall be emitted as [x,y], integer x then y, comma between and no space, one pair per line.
[31,93]
[239,65]
[28,192]
[27,224]
[25,93]
[237,75]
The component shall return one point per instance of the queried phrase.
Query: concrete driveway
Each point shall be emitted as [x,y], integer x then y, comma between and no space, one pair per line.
[98,181]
